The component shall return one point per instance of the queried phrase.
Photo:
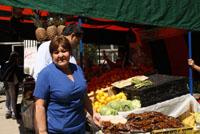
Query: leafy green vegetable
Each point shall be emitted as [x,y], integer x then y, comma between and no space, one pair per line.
[105,110]
[115,105]
[124,105]
[139,84]
[136,104]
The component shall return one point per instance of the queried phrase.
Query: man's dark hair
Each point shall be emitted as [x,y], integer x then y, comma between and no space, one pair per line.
[72,28]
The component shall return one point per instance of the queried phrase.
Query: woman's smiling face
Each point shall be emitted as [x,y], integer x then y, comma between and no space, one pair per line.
[61,57]
[60,50]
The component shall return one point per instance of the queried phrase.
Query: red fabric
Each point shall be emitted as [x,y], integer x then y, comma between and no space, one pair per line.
[164,33]
[26,11]
[102,20]
[177,53]
[5,18]
[108,27]
[5,8]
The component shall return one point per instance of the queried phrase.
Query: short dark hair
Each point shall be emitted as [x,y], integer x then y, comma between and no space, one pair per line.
[57,41]
[72,28]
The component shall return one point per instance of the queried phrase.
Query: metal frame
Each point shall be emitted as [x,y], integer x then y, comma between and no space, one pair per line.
[14,44]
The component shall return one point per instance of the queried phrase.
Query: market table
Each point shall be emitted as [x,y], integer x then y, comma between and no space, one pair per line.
[179,107]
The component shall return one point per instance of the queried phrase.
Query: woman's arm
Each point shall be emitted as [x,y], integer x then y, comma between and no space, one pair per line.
[89,109]
[196,67]
[88,105]
[40,117]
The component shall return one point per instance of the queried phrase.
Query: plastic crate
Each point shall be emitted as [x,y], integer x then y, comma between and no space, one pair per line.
[164,87]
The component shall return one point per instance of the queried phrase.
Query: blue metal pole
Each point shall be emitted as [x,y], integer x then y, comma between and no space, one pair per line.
[81,45]
[190,56]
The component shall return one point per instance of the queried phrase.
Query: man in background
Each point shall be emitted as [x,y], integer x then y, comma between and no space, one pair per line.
[72,32]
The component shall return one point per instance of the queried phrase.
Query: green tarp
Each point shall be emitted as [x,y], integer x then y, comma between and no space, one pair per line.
[168,13]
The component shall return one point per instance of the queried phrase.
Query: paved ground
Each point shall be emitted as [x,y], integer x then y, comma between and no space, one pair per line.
[8,126]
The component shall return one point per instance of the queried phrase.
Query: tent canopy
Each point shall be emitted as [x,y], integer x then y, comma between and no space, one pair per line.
[182,14]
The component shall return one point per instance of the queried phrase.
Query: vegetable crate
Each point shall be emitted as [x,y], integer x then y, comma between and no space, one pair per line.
[164,87]
[184,130]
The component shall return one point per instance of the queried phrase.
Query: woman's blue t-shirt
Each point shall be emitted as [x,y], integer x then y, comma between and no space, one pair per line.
[64,97]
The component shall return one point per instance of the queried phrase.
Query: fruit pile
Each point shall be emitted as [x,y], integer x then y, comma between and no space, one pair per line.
[102,98]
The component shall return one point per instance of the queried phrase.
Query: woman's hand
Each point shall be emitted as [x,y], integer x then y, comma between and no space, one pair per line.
[191,62]
[43,132]
[96,119]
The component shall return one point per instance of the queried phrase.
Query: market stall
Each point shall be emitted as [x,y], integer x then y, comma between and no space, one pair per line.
[100,93]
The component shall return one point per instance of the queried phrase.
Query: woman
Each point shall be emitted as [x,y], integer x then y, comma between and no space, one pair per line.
[61,94]
[12,75]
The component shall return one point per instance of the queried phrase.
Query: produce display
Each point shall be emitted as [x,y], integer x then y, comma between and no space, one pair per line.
[113,107]
[148,90]
[144,122]
[164,87]
[109,77]
[102,98]
[112,104]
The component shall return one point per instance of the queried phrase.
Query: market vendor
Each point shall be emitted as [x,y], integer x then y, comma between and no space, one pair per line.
[60,93]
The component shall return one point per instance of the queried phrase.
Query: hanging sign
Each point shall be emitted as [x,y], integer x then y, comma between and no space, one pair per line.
[30,51]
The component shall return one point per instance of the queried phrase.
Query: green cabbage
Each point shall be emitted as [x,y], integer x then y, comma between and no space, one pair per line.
[105,110]
[124,105]
[136,103]
[115,105]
